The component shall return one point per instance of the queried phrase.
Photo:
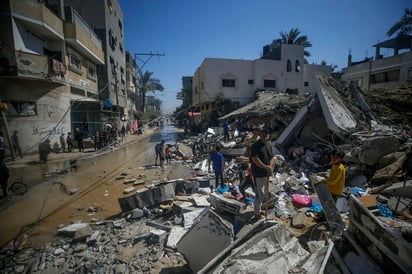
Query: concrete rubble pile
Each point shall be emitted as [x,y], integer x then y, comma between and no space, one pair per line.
[189,223]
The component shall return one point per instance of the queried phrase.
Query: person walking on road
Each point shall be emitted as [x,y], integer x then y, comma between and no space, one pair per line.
[4,178]
[79,136]
[159,150]
[16,143]
[3,147]
[263,163]
[44,150]
[168,154]
[69,142]
[218,164]
[63,142]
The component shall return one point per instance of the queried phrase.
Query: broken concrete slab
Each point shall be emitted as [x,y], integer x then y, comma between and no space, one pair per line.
[175,234]
[274,249]
[190,217]
[401,189]
[71,229]
[386,246]
[384,174]
[201,201]
[207,238]
[221,203]
[373,148]
[338,117]
[148,197]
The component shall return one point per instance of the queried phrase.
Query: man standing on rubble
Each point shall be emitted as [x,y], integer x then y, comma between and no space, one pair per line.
[218,164]
[159,150]
[263,163]
[225,131]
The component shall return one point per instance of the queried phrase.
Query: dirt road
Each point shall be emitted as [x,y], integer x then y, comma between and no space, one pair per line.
[48,205]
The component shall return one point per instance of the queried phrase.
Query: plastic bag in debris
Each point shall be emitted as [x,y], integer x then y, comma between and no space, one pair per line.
[384,211]
[301,200]
[236,133]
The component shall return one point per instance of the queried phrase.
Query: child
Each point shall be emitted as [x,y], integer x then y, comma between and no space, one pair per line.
[168,153]
[336,179]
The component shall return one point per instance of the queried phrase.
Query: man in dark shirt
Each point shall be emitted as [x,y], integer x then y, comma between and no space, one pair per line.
[263,163]
[79,136]
[4,178]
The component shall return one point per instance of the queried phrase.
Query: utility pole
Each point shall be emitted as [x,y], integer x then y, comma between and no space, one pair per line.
[145,61]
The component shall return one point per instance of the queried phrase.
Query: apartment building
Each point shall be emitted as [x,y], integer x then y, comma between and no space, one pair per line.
[282,69]
[106,18]
[391,66]
[48,70]
[131,85]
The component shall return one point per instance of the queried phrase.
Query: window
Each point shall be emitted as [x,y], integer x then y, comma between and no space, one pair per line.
[356,82]
[91,72]
[269,83]
[24,108]
[250,81]
[409,74]
[120,26]
[297,66]
[386,76]
[121,47]
[75,62]
[112,65]
[228,83]
[306,84]
[289,66]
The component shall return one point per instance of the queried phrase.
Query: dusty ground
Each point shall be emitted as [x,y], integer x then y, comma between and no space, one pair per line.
[47,205]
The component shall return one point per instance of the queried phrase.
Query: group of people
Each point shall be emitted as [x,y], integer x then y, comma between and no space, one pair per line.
[261,166]
[163,153]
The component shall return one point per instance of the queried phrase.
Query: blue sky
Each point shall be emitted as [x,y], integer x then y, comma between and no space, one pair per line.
[187,31]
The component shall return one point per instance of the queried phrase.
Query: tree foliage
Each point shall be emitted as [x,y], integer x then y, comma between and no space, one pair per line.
[294,37]
[222,107]
[145,84]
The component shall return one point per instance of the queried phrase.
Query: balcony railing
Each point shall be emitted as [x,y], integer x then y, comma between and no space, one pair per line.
[73,17]
[39,66]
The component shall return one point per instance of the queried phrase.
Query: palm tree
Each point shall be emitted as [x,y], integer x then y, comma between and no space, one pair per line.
[186,96]
[293,37]
[404,26]
[146,83]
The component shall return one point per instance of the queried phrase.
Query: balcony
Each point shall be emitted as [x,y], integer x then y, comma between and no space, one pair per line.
[38,18]
[80,36]
[36,66]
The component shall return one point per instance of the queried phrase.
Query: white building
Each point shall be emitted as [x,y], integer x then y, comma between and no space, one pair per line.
[238,80]
[392,70]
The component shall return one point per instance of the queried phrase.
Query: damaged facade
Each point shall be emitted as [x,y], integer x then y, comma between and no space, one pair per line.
[238,80]
[58,70]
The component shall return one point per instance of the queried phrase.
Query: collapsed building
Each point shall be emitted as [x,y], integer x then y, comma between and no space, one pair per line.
[185,223]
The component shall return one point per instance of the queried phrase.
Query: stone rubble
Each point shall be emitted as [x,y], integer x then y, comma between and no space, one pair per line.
[145,238]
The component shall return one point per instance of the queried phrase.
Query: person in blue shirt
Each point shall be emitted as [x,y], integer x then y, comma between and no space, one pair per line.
[218,164]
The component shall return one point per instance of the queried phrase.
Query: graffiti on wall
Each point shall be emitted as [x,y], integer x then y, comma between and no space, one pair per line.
[46,131]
